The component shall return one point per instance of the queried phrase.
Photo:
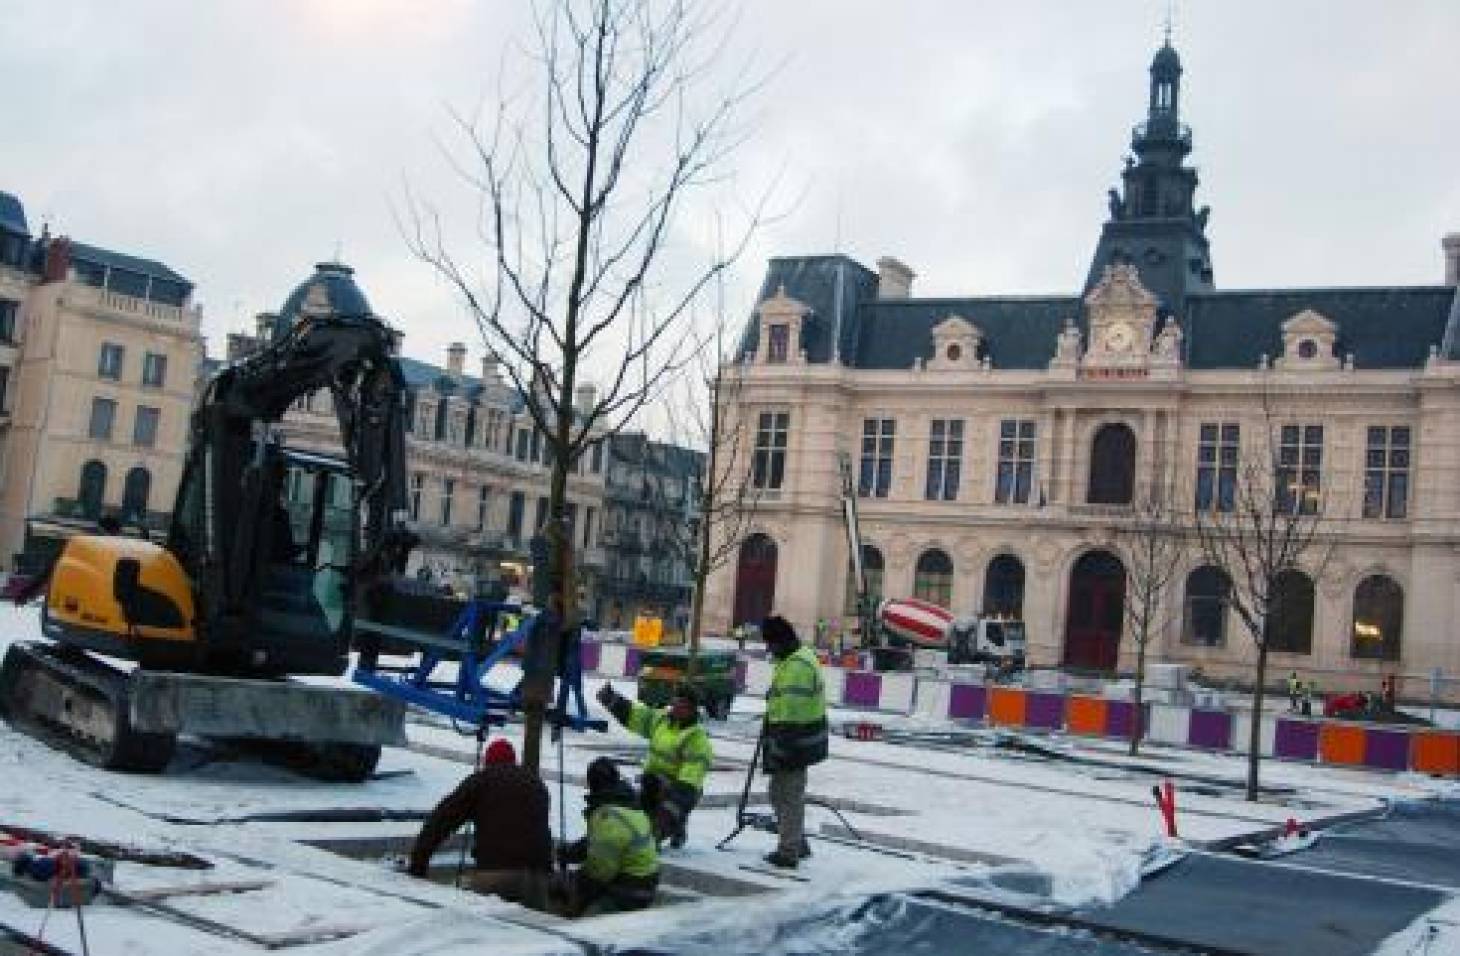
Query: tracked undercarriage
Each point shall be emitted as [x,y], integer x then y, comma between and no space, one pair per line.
[130,721]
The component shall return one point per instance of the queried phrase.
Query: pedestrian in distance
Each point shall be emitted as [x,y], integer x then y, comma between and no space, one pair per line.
[795,735]
[619,860]
[1310,694]
[679,757]
[1295,692]
[1387,694]
[512,844]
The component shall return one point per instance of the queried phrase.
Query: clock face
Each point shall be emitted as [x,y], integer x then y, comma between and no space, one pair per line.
[1120,338]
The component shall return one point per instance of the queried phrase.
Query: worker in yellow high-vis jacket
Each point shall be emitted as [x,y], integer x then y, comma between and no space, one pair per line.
[679,756]
[795,735]
[620,868]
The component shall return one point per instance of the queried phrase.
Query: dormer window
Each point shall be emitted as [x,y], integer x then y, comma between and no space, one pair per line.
[778,344]
[1307,349]
[1309,342]
[955,344]
[954,352]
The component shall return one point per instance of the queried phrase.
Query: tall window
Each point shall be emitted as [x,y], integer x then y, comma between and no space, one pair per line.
[516,505]
[109,364]
[1216,466]
[779,344]
[1378,618]
[1386,472]
[443,413]
[92,489]
[1208,592]
[134,493]
[588,527]
[597,446]
[1290,619]
[418,485]
[539,518]
[144,431]
[522,439]
[484,503]
[933,578]
[1015,476]
[103,414]
[768,467]
[1300,469]
[8,309]
[876,475]
[448,492]
[945,459]
[1112,466]
[154,369]
[4,389]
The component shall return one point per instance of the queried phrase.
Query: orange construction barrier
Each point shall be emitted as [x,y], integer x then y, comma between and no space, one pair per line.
[1007,706]
[1341,743]
[1434,751]
[1087,715]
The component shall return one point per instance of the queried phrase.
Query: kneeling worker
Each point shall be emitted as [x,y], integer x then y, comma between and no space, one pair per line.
[509,807]
[620,868]
[679,757]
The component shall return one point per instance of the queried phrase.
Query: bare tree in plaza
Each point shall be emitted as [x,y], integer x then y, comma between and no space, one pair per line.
[585,261]
[1155,547]
[1263,526]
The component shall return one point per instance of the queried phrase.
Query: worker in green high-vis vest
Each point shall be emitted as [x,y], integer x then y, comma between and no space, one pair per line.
[795,735]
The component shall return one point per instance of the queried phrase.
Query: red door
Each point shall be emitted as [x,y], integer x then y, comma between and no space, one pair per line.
[1096,612]
[755,580]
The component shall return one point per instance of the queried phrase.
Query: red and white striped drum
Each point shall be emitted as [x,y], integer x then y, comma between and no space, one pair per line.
[917,622]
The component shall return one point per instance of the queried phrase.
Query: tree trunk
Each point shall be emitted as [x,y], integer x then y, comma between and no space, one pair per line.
[1137,723]
[1254,740]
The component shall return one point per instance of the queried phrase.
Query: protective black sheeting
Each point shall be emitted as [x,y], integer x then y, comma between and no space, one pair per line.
[893,923]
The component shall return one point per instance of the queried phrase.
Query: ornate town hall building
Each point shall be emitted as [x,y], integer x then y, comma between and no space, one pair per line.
[1000,444]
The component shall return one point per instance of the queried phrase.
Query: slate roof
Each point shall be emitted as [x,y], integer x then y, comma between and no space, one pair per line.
[423,376]
[119,260]
[1388,327]
[12,215]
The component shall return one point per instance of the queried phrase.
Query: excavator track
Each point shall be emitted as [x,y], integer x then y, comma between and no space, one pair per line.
[78,704]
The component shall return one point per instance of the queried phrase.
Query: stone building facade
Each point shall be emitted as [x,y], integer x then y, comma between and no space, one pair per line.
[99,354]
[999,446]
[477,467]
[650,519]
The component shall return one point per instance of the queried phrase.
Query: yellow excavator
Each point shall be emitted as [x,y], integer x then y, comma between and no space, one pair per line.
[270,554]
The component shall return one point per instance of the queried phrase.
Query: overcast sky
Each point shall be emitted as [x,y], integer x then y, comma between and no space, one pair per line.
[240,141]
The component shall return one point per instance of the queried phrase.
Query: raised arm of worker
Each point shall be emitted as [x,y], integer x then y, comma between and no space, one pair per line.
[450,813]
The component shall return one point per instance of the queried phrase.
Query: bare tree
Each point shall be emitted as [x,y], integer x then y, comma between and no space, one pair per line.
[1155,546]
[1263,523]
[578,191]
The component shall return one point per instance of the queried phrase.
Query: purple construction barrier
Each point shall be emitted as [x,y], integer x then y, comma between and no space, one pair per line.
[1295,740]
[1119,716]
[1046,711]
[1386,749]
[967,701]
[861,689]
[632,657]
[589,653]
[1211,729]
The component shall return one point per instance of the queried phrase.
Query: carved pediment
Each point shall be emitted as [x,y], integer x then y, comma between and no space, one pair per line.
[1120,295]
[1309,322]
[782,306]
[1309,342]
[956,343]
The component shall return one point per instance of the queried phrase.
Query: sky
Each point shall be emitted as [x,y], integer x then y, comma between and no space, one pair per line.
[241,142]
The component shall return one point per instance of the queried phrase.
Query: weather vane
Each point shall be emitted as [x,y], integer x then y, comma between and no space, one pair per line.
[1170,16]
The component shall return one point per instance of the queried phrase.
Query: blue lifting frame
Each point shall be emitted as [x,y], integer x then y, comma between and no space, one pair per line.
[469,698]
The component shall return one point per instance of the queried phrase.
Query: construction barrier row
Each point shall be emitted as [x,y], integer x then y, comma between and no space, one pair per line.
[1380,747]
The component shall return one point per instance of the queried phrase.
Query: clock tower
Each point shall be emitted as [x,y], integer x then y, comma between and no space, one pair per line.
[1154,223]
[1122,322]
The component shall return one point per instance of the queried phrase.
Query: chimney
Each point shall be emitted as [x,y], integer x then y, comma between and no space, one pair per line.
[584,396]
[455,359]
[57,266]
[489,367]
[894,278]
[1451,245]
[263,326]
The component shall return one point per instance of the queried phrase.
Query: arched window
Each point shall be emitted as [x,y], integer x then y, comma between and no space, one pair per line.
[92,489]
[1003,587]
[1208,590]
[1290,619]
[1112,466]
[134,494]
[755,579]
[1378,618]
[872,566]
[933,578]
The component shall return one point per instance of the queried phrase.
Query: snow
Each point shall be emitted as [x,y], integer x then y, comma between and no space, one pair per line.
[988,812]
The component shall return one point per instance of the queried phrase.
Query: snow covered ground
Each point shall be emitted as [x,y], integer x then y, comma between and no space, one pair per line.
[1082,824]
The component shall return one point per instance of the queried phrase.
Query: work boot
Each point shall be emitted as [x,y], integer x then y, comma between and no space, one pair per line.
[805,849]
[783,860]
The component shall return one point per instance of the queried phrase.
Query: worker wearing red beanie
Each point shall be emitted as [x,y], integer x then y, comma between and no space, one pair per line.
[512,843]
